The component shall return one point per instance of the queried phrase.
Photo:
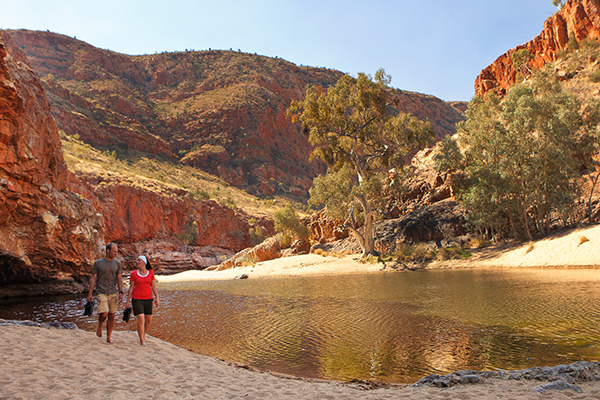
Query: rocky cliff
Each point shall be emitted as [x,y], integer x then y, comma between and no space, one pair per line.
[47,233]
[134,213]
[579,19]
[220,111]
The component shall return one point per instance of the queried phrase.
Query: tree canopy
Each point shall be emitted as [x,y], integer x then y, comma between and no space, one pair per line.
[356,128]
[521,155]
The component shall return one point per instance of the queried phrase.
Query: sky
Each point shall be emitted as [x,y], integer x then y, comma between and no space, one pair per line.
[436,47]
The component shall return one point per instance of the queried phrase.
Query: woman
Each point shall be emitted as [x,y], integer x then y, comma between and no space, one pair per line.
[142,286]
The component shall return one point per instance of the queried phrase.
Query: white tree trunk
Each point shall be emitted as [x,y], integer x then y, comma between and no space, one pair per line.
[369,239]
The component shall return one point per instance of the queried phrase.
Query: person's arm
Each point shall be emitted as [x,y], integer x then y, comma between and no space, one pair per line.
[155,291]
[92,286]
[120,283]
[130,291]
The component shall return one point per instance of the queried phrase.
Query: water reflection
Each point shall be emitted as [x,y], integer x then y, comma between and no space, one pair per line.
[394,327]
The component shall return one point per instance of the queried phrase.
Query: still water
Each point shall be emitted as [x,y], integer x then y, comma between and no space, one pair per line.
[390,327]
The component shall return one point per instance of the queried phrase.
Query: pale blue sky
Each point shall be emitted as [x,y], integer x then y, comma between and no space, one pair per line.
[435,47]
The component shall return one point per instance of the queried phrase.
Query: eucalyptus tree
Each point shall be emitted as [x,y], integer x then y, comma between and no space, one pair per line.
[356,128]
[520,155]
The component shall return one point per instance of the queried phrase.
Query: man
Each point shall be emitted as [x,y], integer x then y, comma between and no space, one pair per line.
[107,277]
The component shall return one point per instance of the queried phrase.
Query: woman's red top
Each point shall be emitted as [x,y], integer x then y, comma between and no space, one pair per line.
[143,285]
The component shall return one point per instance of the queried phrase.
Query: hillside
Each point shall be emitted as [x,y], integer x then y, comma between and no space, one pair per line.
[220,111]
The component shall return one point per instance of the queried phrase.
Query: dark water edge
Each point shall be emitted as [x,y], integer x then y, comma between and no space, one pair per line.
[393,328]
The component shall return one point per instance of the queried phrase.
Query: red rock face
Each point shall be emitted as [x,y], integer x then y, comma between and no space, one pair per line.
[47,233]
[580,18]
[133,214]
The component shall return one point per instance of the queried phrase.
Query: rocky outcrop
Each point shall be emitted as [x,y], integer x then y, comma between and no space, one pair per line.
[441,223]
[562,376]
[177,232]
[267,250]
[220,111]
[578,18]
[171,256]
[47,233]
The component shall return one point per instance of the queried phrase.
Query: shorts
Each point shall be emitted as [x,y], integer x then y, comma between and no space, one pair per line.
[107,303]
[142,306]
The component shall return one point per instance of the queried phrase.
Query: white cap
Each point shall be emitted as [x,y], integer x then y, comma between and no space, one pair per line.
[144,259]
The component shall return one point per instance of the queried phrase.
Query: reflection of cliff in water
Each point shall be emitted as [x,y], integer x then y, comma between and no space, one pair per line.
[395,327]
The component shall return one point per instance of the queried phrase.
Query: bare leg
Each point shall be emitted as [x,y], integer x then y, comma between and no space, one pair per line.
[109,327]
[101,319]
[147,325]
[141,328]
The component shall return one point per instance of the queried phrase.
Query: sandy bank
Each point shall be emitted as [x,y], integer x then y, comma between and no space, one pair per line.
[573,248]
[40,363]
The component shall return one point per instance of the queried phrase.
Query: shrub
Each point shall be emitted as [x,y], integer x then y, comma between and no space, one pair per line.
[594,76]
[198,194]
[452,253]
[288,223]
[256,235]
[285,241]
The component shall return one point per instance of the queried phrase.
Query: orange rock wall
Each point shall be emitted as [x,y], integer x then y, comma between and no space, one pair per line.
[580,18]
[47,233]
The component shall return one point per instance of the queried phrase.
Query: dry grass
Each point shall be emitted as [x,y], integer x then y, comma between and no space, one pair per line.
[478,242]
[530,248]
[159,175]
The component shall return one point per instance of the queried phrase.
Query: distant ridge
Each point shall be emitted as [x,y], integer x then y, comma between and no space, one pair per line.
[220,111]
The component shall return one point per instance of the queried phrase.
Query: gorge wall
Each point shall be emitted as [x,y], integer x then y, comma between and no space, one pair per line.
[579,18]
[48,234]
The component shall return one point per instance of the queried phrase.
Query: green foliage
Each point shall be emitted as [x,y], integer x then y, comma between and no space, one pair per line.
[334,191]
[190,233]
[573,44]
[198,194]
[520,157]
[256,235]
[449,157]
[520,58]
[287,222]
[356,130]
[595,76]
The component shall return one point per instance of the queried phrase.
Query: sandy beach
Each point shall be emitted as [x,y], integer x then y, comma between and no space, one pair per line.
[49,363]
[42,363]
[578,248]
